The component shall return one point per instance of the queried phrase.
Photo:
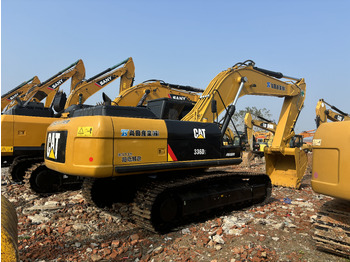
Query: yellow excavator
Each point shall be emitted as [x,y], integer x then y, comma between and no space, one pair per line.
[178,99]
[129,153]
[26,110]
[183,97]
[263,123]
[323,113]
[331,177]
[8,97]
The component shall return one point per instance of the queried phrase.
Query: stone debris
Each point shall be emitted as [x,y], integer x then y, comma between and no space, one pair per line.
[62,227]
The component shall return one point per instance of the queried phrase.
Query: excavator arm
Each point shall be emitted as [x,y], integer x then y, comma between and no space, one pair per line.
[263,124]
[89,87]
[155,89]
[17,91]
[50,87]
[284,165]
[323,113]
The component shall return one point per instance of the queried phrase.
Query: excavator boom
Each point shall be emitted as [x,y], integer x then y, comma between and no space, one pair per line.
[284,165]
[17,91]
[89,87]
[323,113]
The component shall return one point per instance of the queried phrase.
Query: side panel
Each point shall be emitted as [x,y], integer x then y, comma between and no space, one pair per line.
[139,141]
[88,146]
[331,165]
[6,135]
[193,140]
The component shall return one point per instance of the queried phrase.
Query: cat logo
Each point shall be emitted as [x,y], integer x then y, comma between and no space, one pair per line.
[52,145]
[199,133]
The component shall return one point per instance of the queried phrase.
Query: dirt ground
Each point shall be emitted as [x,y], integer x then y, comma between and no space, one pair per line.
[62,227]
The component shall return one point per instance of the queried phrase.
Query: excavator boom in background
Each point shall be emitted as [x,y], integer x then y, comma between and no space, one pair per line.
[254,144]
[8,97]
[24,123]
[334,114]
[331,176]
[116,148]
[47,89]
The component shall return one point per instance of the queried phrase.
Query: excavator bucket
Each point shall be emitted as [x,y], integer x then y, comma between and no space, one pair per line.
[286,168]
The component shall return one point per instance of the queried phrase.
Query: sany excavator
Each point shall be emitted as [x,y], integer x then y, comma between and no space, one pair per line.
[26,111]
[129,153]
[263,123]
[323,114]
[17,91]
[331,177]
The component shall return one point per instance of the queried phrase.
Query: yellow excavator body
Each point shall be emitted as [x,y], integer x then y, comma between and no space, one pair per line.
[330,164]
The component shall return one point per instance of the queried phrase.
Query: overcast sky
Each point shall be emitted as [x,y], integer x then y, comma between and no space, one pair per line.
[183,42]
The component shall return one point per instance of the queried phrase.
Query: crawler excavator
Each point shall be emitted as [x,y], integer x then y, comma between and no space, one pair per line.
[323,113]
[331,177]
[8,97]
[156,92]
[129,153]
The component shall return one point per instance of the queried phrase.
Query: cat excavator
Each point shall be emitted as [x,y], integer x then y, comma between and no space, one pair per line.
[129,153]
[323,113]
[331,177]
[43,180]
[21,89]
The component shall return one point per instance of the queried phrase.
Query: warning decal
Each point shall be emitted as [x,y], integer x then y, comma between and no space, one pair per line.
[6,149]
[84,131]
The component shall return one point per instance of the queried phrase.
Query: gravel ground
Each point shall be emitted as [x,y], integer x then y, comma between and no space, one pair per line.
[62,227]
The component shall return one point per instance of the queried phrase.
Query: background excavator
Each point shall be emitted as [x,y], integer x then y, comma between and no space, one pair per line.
[323,113]
[256,145]
[24,124]
[129,153]
[17,138]
[17,91]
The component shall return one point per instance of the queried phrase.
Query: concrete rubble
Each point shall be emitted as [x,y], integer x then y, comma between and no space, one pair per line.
[62,227]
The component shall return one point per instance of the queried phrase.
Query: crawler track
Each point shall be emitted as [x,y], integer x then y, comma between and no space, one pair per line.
[21,166]
[44,181]
[162,205]
[332,228]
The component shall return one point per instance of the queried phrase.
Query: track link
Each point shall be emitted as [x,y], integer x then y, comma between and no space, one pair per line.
[332,228]
[158,207]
